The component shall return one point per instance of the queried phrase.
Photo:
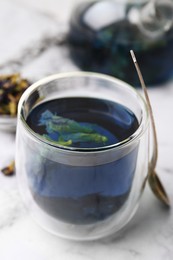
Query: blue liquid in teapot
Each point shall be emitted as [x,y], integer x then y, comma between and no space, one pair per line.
[103,32]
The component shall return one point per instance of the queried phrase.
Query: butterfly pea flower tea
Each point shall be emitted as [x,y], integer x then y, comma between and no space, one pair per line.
[101,33]
[82,153]
[88,123]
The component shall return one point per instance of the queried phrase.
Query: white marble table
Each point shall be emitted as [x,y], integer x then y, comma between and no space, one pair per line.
[33,51]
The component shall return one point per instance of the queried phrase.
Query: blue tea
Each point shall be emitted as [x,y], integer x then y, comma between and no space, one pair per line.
[75,192]
[101,43]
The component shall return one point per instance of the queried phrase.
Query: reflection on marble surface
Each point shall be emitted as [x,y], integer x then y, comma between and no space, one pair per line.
[34,51]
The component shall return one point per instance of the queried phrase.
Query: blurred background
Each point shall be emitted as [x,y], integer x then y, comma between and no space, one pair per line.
[32,37]
[59,9]
[45,37]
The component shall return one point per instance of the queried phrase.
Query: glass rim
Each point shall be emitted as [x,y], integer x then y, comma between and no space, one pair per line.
[135,136]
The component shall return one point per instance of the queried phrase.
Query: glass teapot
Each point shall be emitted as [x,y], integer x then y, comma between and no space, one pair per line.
[103,32]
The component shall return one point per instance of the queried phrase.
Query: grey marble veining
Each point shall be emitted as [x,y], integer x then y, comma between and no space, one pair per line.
[32,43]
[19,29]
[11,208]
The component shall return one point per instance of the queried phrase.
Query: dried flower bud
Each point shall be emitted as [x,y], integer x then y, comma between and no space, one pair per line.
[9,170]
[11,89]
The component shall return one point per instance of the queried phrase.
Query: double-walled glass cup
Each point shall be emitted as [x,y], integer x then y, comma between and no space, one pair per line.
[78,192]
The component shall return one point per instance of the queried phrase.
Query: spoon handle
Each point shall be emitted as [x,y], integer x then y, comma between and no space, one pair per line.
[153,179]
[155,142]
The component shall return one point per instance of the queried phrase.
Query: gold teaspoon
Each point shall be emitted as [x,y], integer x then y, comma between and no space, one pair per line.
[153,179]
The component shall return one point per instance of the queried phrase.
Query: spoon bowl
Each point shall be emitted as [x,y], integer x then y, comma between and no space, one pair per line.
[157,188]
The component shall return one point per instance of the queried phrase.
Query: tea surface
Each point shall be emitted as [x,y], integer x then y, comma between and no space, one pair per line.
[82,122]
